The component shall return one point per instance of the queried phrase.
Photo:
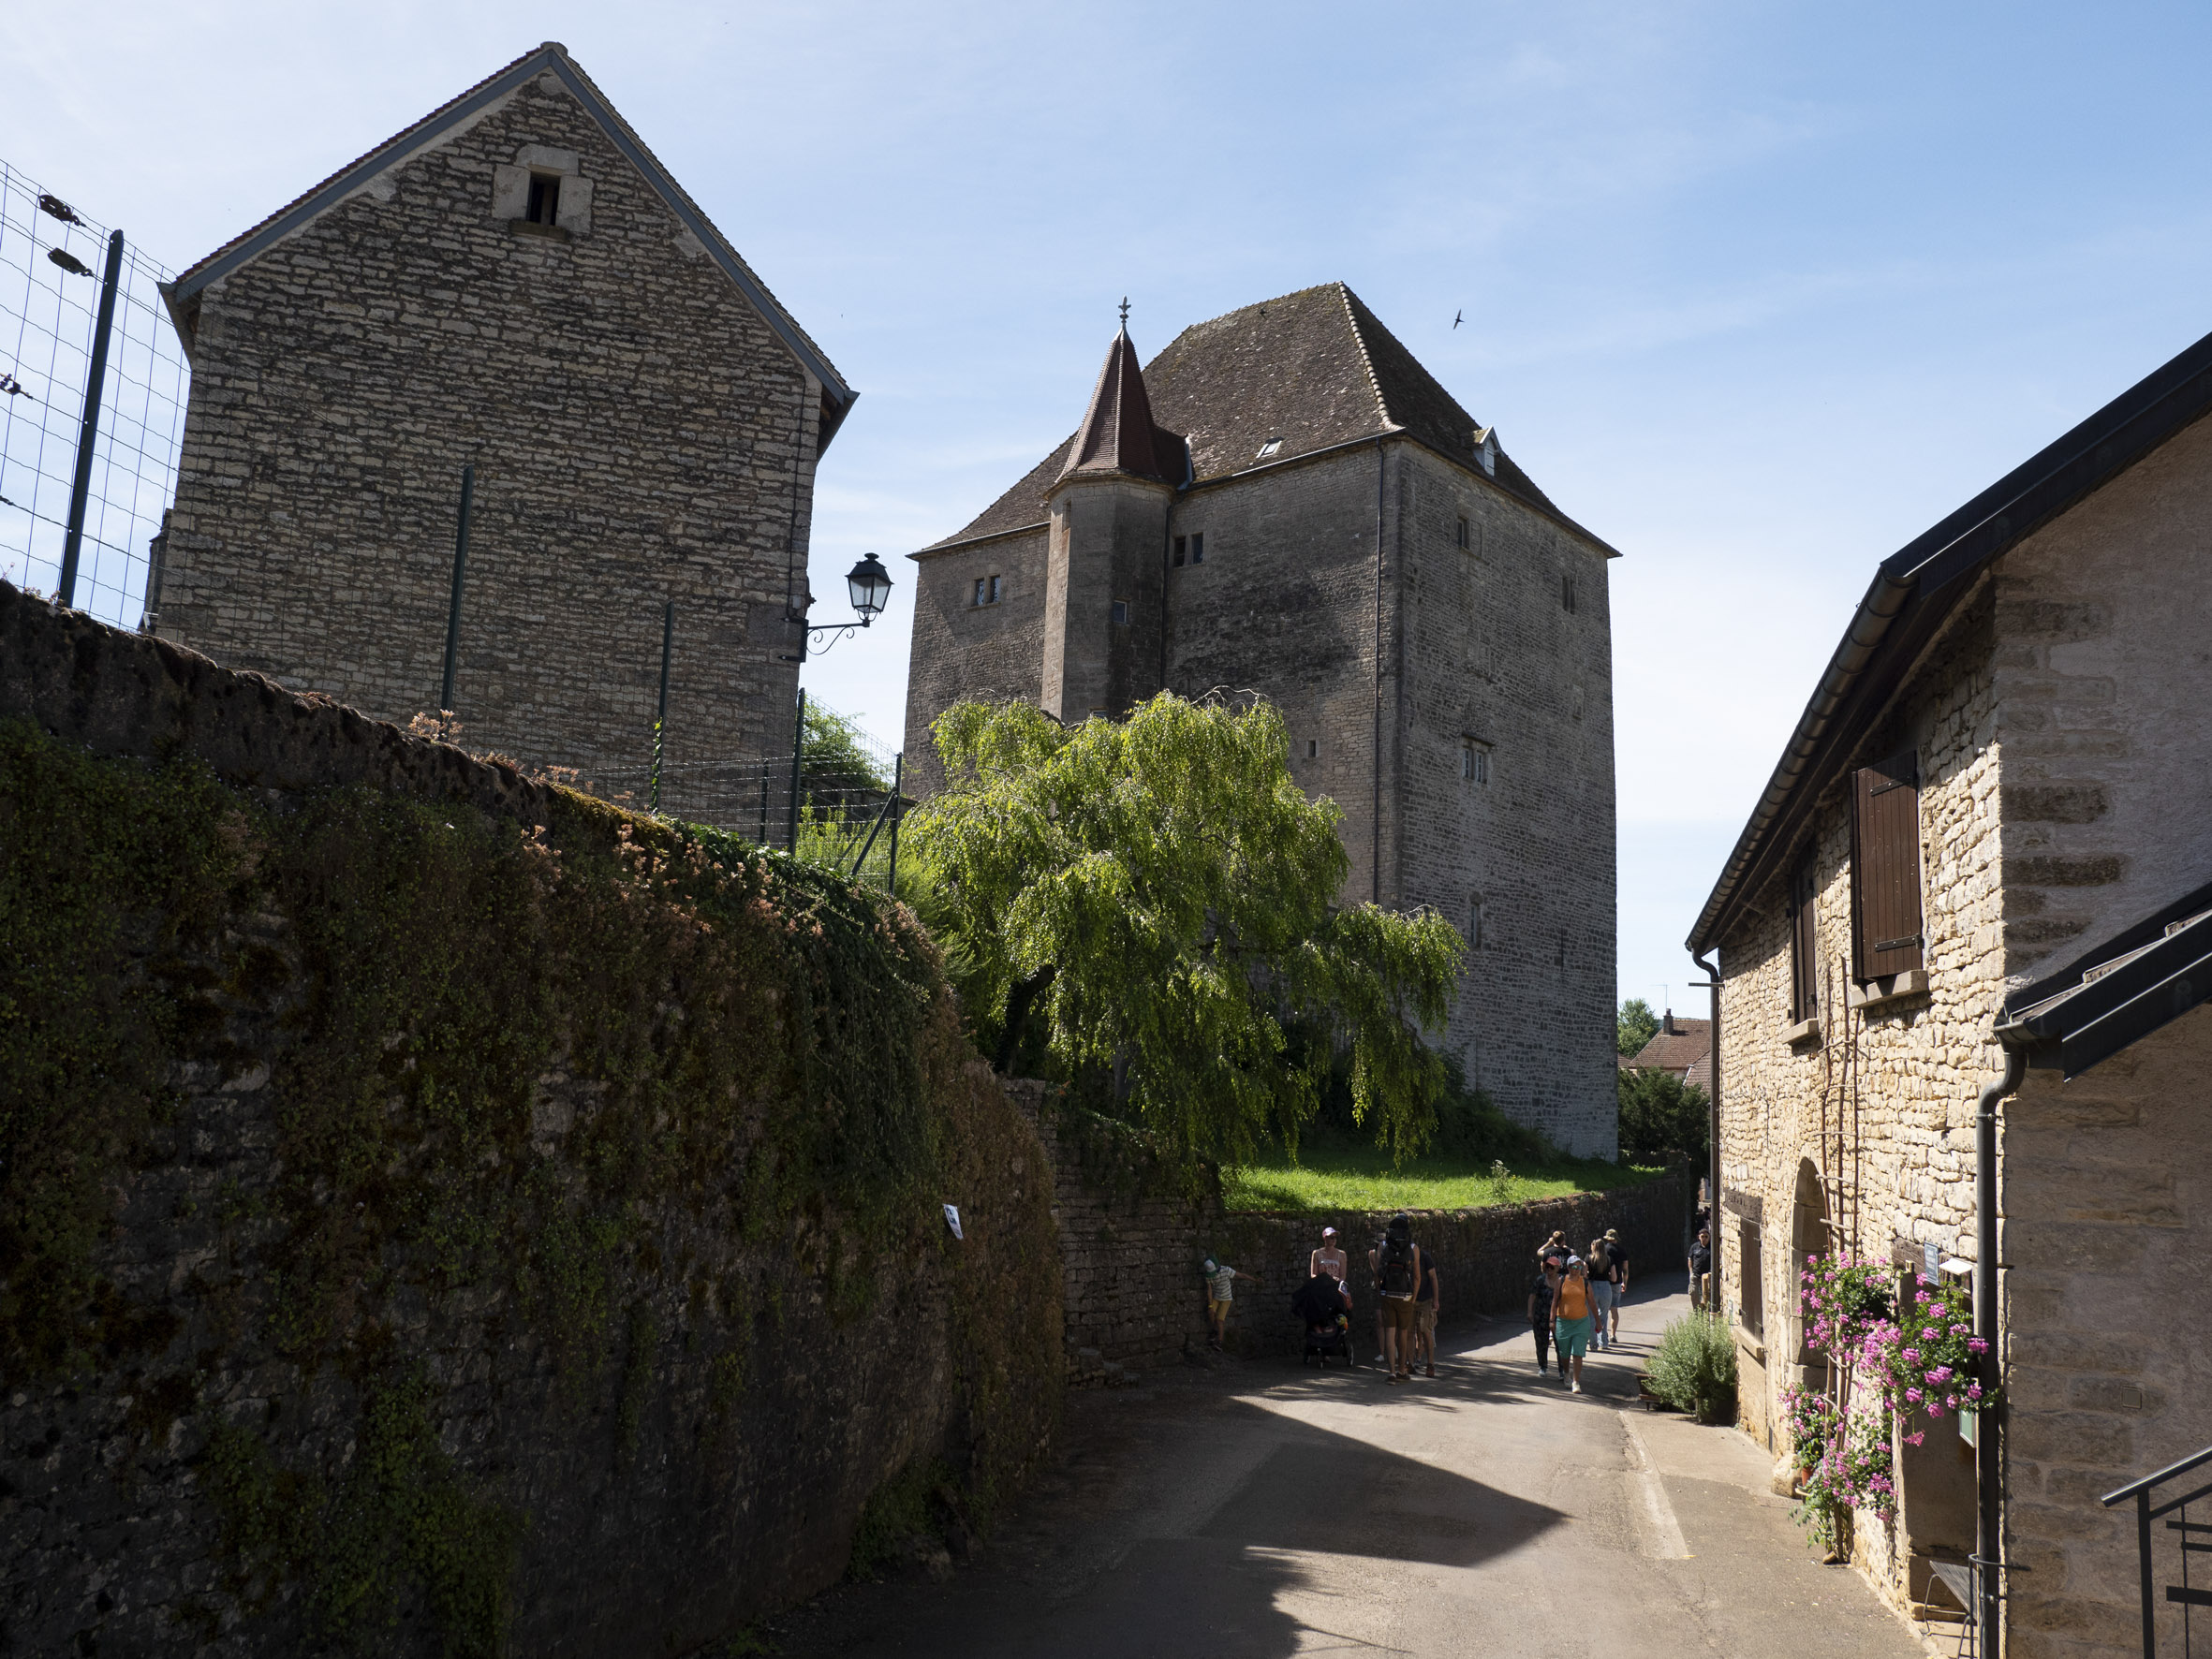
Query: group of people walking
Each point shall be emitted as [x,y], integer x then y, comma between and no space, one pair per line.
[1573,1304]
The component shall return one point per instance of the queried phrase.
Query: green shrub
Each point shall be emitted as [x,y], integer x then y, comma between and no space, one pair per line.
[1694,1368]
[1663,1120]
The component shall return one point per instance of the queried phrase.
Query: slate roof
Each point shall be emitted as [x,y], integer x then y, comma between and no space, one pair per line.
[2116,993]
[550,58]
[1678,1050]
[1118,435]
[1315,369]
[1917,589]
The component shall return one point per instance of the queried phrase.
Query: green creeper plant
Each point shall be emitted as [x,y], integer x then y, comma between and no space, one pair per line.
[1157,899]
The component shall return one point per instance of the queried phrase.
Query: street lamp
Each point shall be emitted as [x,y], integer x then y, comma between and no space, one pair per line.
[869,584]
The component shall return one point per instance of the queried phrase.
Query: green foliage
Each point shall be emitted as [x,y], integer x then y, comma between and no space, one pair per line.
[1694,1368]
[1166,894]
[835,769]
[897,1511]
[1663,1120]
[1638,1025]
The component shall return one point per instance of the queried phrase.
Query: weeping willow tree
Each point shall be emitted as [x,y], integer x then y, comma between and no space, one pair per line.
[1153,903]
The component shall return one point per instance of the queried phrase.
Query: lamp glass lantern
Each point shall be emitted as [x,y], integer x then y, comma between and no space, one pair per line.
[869,584]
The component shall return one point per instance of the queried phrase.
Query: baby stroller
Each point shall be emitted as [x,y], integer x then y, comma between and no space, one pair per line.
[1319,1304]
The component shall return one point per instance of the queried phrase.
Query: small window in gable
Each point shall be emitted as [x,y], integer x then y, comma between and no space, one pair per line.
[1566,592]
[544,207]
[1182,549]
[1121,610]
[1313,748]
[1474,762]
[1198,550]
[1467,539]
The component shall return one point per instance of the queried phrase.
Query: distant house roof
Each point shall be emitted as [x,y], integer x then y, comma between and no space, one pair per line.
[1918,589]
[551,58]
[2117,991]
[1676,1050]
[1307,371]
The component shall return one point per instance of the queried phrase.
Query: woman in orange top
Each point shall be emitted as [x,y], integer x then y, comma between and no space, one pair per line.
[1573,1317]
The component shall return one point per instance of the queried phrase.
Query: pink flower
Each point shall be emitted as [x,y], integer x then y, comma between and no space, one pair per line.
[1973,1390]
[1976,1345]
[1913,1395]
[1940,1374]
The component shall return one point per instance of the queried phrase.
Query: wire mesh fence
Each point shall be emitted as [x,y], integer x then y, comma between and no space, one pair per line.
[54,265]
[836,801]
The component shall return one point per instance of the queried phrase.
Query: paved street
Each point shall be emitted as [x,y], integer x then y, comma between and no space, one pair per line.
[1267,1510]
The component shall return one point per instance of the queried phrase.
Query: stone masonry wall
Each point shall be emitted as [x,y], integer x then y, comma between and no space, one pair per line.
[993,652]
[597,1435]
[639,433]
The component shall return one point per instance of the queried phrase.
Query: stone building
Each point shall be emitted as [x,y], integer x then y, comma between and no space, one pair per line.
[513,283]
[1988,838]
[1285,501]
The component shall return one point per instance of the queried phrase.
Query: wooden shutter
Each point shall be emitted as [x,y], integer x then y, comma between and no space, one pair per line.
[1804,946]
[1885,868]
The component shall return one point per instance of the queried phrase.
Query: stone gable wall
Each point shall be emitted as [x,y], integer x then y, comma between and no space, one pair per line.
[639,433]
[995,652]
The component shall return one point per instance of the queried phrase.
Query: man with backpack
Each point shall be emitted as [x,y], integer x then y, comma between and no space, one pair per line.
[1397,1265]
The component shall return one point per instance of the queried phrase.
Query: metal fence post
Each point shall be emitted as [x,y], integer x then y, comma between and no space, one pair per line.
[798,750]
[660,721]
[898,811]
[88,430]
[445,696]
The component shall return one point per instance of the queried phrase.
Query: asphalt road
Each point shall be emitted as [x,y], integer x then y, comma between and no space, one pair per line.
[1267,1510]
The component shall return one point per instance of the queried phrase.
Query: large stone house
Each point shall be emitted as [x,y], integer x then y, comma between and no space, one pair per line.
[1981,852]
[1285,501]
[513,283]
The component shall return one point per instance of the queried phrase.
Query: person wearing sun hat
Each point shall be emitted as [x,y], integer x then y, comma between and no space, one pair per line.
[1328,1258]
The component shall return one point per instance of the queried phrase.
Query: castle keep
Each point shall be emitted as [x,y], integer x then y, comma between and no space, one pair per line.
[516,283]
[1285,501]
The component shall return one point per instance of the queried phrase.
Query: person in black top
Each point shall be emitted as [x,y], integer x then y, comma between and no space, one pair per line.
[1619,1258]
[1700,1269]
[1539,1315]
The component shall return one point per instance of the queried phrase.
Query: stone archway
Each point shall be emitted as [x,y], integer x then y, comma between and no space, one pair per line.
[1810,1236]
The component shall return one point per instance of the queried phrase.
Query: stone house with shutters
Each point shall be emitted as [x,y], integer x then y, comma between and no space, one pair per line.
[515,284]
[1285,501]
[1985,862]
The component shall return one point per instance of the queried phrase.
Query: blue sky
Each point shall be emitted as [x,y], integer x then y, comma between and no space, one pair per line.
[1756,292]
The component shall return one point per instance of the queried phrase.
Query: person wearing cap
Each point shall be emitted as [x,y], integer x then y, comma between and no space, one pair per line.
[1220,1287]
[1328,1258]
[1574,1314]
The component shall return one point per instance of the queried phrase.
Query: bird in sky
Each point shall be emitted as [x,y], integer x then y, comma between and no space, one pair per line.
[1456,315]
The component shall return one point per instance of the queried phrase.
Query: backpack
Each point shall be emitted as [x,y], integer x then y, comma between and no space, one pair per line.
[1397,1266]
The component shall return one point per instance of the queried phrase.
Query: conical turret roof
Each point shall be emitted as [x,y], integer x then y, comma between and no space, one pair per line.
[1118,435]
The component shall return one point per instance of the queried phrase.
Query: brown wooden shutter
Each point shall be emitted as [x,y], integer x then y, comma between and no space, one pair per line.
[1885,868]
[1804,946]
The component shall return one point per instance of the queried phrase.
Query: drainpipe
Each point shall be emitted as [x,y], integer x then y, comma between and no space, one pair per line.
[1375,842]
[1988,1466]
[1713,1134]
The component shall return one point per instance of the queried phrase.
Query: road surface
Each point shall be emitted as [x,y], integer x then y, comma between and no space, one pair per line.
[1268,1511]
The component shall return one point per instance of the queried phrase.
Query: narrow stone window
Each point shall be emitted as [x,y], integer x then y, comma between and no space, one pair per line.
[997,588]
[1467,539]
[1751,1277]
[1474,922]
[1121,611]
[1566,592]
[1474,762]
[1197,549]
[1182,548]
[1313,748]
[981,588]
[545,200]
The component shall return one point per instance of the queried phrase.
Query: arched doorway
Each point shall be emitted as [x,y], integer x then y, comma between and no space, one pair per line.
[1810,1236]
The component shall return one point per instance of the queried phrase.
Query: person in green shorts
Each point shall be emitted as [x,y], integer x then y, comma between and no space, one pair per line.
[1574,1314]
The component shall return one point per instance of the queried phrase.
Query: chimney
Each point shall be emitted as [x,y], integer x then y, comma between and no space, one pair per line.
[1667,1024]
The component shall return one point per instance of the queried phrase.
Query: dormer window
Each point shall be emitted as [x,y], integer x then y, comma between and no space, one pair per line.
[1486,450]
[1273,446]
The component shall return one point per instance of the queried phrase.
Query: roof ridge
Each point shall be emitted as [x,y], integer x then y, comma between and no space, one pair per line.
[409,140]
[1344,298]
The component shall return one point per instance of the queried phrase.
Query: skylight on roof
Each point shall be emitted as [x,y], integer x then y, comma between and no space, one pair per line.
[1270,448]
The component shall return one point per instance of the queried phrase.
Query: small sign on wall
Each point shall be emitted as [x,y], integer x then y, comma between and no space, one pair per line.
[952,1220]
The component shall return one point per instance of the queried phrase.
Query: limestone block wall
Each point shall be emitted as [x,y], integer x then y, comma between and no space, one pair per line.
[993,651]
[639,436]
[2107,1199]
[2102,669]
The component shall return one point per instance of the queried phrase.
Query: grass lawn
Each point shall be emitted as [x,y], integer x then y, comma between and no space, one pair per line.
[1333,1176]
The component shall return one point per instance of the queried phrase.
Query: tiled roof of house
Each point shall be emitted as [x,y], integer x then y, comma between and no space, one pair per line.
[1678,1050]
[1309,371]
[550,58]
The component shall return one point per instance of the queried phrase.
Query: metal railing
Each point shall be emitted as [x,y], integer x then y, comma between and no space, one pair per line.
[2195,1538]
[93,384]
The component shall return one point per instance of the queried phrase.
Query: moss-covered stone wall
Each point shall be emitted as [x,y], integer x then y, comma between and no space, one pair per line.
[442,1215]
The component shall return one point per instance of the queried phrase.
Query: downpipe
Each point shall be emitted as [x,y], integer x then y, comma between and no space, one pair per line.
[1712,973]
[1988,1464]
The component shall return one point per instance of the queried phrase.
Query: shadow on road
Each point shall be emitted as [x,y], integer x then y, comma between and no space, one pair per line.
[1204,1551]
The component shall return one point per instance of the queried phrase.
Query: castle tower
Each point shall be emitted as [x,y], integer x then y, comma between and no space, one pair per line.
[1106,549]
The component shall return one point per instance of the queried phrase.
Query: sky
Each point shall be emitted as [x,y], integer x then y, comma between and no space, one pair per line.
[1756,293]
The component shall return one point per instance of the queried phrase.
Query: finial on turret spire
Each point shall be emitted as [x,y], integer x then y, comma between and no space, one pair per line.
[1125,313]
